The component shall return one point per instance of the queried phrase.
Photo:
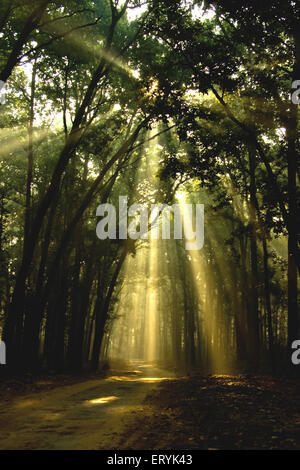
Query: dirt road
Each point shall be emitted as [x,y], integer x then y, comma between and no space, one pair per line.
[144,407]
[88,415]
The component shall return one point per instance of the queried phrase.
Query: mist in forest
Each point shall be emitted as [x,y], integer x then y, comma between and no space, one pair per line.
[164,312]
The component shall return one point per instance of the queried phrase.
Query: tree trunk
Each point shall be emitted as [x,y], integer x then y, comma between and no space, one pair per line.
[253,323]
[293,231]
[30,25]
[101,316]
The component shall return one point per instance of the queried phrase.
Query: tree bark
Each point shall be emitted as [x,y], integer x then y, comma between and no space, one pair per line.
[253,323]
[293,231]
[101,316]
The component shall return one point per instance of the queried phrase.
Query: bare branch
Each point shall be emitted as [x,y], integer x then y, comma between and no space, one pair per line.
[70,15]
[60,36]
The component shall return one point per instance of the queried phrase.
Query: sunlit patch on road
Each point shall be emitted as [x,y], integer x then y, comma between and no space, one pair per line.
[125,378]
[101,401]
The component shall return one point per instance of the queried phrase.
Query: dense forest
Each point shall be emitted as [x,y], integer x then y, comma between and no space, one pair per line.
[164,102]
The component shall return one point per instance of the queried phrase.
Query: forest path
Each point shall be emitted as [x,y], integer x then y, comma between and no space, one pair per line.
[87,415]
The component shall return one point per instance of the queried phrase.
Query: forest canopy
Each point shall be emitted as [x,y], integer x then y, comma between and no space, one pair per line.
[164,102]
